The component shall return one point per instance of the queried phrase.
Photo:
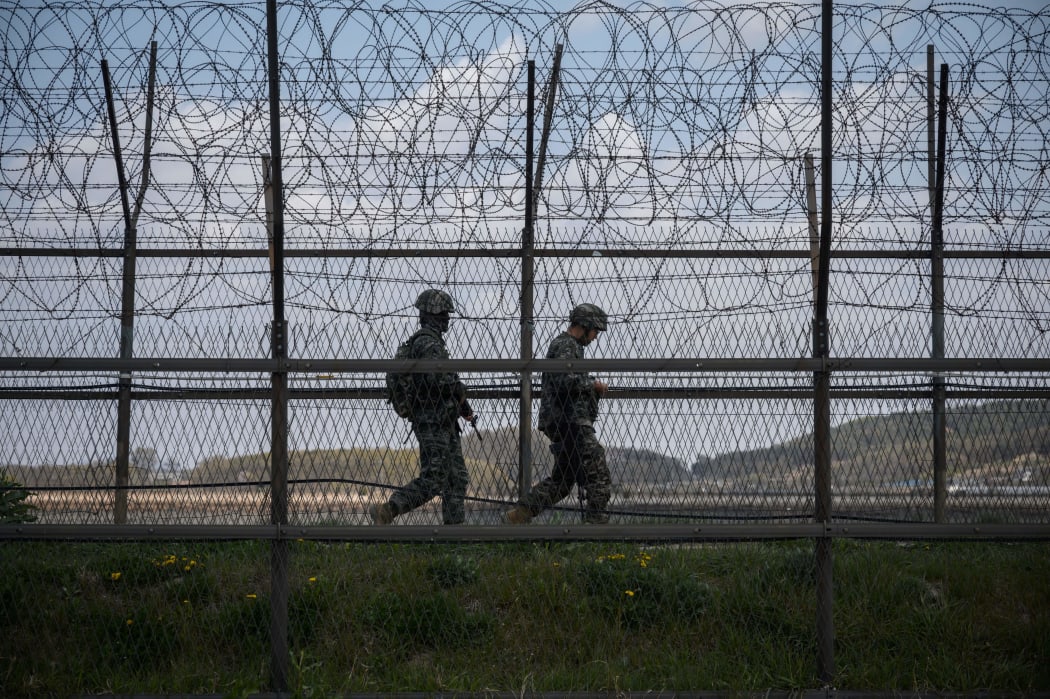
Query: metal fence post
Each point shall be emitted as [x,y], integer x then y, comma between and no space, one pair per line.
[822,379]
[814,223]
[940,467]
[122,476]
[127,320]
[550,96]
[279,592]
[528,272]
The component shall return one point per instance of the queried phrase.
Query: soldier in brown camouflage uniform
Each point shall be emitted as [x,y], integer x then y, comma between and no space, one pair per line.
[568,409]
[439,399]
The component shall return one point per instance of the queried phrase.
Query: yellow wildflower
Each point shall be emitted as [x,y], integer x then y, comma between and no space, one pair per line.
[114,576]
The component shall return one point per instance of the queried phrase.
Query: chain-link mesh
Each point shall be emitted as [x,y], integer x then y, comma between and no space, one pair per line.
[674,194]
[759,467]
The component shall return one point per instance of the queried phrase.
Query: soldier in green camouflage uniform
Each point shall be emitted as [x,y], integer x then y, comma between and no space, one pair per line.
[568,409]
[439,399]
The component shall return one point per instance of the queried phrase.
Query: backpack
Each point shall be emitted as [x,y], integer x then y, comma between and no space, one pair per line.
[401,386]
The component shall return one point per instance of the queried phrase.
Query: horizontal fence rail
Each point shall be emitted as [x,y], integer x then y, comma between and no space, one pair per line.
[664,533]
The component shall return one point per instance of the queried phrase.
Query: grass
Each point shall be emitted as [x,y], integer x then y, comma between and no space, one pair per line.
[194,617]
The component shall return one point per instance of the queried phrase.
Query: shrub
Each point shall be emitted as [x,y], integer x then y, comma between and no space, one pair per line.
[13,506]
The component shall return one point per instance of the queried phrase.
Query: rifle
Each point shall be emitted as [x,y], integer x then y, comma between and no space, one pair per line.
[474,423]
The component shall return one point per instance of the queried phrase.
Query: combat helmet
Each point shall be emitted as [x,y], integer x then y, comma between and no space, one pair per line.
[589,316]
[435,301]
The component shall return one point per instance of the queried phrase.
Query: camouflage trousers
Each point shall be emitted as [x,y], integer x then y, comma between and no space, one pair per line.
[579,459]
[442,471]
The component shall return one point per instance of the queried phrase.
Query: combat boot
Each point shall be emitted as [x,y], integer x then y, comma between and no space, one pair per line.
[381,514]
[519,515]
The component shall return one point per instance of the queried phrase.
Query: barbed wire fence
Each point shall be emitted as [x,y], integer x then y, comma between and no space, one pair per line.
[525,158]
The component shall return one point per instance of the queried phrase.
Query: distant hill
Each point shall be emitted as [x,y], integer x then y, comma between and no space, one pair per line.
[631,465]
[989,440]
[626,464]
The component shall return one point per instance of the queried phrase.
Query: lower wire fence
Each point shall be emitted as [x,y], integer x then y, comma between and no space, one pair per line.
[713,576]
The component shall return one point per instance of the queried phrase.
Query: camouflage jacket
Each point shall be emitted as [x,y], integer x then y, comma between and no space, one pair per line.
[568,398]
[439,397]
